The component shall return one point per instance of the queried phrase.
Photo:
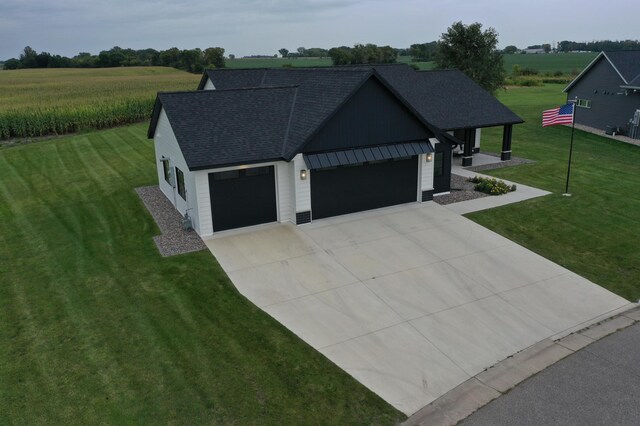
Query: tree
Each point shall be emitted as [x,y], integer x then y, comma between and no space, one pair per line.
[214,56]
[472,51]
[423,51]
[302,51]
[363,54]
[546,47]
[284,52]
[28,58]
[509,50]
[11,64]
[340,55]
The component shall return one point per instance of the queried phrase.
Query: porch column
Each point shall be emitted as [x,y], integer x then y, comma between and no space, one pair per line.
[469,142]
[506,142]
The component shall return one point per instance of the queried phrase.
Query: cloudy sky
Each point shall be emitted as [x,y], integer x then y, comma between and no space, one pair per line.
[245,27]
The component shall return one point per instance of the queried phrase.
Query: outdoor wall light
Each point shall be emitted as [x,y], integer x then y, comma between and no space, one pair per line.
[303,174]
[429,157]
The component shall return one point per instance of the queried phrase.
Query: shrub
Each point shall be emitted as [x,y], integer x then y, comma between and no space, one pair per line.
[491,186]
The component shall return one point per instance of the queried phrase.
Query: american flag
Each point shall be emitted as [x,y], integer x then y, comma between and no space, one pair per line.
[559,115]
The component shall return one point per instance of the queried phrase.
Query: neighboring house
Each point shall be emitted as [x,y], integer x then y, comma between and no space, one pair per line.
[295,145]
[536,51]
[608,92]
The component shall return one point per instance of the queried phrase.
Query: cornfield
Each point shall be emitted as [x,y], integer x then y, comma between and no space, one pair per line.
[58,101]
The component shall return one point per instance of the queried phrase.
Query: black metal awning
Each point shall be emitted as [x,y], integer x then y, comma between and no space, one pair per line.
[361,155]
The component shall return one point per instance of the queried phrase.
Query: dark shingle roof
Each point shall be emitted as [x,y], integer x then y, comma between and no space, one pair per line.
[626,62]
[448,99]
[248,119]
[234,79]
[635,82]
[224,127]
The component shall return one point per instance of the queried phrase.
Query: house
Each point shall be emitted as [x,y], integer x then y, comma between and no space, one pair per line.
[296,145]
[608,92]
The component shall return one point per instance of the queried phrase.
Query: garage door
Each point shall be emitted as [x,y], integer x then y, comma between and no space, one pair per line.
[243,197]
[349,189]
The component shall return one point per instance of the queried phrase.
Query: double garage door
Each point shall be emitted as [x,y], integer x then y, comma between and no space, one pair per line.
[350,189]
[248,197]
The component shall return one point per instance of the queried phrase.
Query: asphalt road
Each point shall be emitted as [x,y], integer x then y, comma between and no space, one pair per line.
[599,385]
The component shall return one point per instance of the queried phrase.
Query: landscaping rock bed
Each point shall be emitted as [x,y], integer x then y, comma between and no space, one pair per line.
[515,161]
[461,190]
[174,240]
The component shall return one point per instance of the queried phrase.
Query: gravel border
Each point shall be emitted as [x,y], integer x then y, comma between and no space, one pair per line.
[514,161]
[174,240]
[461,190]
[599,132]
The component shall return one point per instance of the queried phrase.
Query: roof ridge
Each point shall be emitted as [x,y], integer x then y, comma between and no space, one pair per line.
[286,133]
[236,89]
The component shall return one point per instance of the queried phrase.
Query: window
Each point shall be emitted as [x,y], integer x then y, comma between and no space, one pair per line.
[584,103]
[438,164]
[181,189]
[167,170]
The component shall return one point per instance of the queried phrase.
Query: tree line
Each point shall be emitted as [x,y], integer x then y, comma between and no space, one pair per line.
[598,46]
[191,60]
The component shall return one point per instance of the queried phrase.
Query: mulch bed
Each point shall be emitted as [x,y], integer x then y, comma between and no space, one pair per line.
[174,239]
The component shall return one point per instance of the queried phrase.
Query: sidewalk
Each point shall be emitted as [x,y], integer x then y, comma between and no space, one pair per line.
[523,192]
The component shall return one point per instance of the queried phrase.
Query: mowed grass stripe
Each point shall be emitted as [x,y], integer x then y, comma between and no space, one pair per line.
[596,231]
[96,327]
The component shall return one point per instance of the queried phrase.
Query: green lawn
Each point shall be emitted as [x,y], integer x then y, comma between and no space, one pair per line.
[96,327]
[596,232]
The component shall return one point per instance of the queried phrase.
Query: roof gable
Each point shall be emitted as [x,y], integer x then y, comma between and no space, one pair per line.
[448,99]
[217,128]
[372,115]
[625,63]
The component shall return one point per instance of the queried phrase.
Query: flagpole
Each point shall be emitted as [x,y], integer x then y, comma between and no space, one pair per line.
[573,129]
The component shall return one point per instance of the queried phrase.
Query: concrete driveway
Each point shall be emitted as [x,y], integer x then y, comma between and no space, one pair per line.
[410,300]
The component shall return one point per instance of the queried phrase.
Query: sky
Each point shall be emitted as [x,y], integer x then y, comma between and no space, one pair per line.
[246,27]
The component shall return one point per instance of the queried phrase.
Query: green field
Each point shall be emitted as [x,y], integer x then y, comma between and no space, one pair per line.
[563,62]
[38,102]
[567,63]
[97,328]
[596,231]
[277,62]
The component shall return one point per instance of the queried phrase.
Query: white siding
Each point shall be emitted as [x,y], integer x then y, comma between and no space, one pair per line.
[302,188]
[426,170]
[166,146]
[204,203]
[284,191]
[209,85]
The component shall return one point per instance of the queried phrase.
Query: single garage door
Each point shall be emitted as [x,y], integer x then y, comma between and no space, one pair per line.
[349,189]
[243,197]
